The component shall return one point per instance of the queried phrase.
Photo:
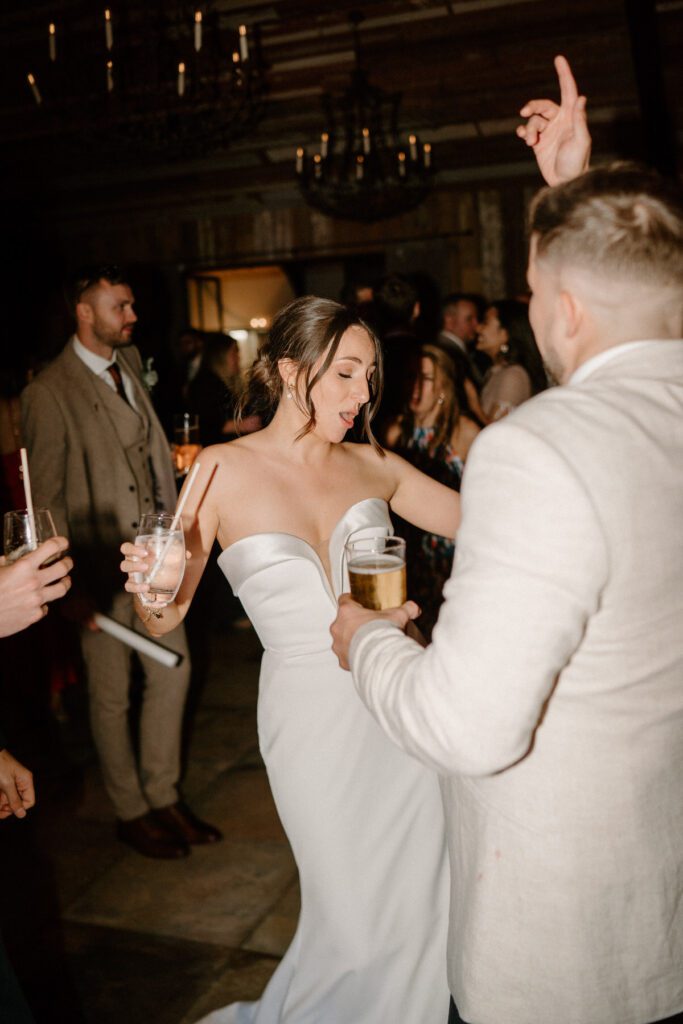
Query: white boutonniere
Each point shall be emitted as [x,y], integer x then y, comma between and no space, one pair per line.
[150,377]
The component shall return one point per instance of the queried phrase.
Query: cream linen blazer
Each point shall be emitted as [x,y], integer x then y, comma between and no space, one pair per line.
[551,702]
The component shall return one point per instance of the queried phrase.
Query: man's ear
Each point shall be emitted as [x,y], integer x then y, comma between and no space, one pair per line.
[572,312]
[84,312]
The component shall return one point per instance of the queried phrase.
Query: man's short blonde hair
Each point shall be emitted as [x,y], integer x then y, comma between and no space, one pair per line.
[620,221]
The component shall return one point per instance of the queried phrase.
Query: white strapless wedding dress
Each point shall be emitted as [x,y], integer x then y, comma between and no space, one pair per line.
[364,820]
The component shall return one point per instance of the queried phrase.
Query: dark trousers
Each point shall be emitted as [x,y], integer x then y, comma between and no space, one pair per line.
[455,1018]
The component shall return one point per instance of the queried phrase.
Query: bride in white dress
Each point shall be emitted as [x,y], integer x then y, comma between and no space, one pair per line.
[364,820]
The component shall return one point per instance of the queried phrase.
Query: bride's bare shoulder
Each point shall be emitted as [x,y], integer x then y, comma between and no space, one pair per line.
[225,467]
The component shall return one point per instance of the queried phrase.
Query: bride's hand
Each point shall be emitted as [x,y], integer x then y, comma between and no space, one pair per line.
[135,561]
[351,616]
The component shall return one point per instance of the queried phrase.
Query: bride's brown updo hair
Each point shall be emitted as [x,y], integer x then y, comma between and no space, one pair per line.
[307,331]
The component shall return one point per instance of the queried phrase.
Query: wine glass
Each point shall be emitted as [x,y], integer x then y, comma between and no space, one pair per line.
[24,531]
[186,446]
[166,558]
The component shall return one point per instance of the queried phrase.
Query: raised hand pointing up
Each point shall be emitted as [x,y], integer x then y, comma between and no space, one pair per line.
[558,135]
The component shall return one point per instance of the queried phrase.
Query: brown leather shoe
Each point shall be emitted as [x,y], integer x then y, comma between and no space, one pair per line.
[150,839]
[179,820]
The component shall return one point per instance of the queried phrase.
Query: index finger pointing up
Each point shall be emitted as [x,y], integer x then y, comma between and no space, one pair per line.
[568,90]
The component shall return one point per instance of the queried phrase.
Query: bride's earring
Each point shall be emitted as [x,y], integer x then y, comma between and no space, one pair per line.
[440,399]
[290,391]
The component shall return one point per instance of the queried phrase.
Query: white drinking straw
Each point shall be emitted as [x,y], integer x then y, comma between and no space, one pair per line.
[27,483]
[176,519]
[27,495]
[186,493]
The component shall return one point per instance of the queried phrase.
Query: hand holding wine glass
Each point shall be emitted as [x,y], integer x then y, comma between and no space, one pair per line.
[31,582]
[24,530]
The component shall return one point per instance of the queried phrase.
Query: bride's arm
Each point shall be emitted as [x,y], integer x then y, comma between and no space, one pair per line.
[200,522]
[424,502]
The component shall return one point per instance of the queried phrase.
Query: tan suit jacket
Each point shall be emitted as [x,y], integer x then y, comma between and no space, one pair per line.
[551,702]
[90,455]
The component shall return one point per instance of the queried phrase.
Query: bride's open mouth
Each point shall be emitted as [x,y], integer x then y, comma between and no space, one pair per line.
[347,418]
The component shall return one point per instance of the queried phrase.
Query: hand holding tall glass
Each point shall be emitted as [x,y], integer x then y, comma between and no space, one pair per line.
[377,571]
[165,544]
[24,530]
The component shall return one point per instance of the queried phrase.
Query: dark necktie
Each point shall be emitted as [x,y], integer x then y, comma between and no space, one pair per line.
[118,381]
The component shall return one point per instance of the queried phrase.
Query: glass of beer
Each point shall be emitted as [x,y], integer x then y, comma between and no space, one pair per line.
[377,571]
[24,531]
[165,560]
[186,446]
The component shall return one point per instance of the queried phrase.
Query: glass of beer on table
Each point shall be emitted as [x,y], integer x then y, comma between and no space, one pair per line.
[24,530]
[186,446]
[377,571]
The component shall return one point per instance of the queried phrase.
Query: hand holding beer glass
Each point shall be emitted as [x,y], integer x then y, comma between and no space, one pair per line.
[377,571]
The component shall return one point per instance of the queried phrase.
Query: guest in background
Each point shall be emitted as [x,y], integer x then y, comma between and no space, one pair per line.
[517,372]
[99,459]
[190,351]
[395,308]
[435,435]
[460,323]
[214,392]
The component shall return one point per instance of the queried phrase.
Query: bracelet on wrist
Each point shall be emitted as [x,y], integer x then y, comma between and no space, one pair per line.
[150,612]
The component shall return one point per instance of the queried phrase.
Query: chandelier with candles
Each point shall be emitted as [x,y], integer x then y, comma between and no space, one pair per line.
[163,75]
[362,170]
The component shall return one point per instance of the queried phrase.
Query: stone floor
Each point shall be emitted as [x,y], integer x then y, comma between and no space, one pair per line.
[99,934]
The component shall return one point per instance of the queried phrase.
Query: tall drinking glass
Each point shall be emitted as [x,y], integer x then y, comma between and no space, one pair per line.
[24,531]
[377,571]
[165,561]
[186,446]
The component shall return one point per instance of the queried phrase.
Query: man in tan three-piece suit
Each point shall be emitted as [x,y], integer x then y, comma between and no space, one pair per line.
[99,460]
[550,701]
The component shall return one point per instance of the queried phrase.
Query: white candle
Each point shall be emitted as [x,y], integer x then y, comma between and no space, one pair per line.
[110,76]
[108,30]
[401,165]
[34,89]
[427,154]
[324,140]
[181,79]
[360,170]
[244,45]
[52,39]
[299,160]
[317,165]
[412,139]
[197,30]
[366,140]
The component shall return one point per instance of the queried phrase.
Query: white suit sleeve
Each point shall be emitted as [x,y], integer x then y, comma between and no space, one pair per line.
[530,564]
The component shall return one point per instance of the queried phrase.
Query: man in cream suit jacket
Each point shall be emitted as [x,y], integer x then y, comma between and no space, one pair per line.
[551,699]
[99,459]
